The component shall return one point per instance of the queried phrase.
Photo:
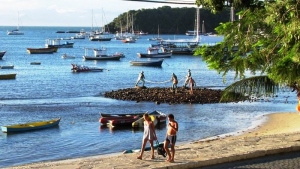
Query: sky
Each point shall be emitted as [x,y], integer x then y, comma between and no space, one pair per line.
[69,12]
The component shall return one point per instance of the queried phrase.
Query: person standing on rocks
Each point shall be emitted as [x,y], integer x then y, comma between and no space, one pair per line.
[192,84]
[175,81]
[171,137]
[141,78]
[188,76]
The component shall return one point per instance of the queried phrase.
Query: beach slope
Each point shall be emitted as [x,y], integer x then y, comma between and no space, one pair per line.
[279,133]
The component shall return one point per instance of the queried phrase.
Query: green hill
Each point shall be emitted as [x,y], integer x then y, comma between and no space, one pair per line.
[170,20]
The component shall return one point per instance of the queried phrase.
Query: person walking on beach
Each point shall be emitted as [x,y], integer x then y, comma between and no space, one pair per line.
[188,76]
[175,81]
[141,78]
[171,137]
[149,135]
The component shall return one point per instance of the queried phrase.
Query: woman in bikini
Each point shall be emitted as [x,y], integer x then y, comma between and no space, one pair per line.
[171,138]
[149,135]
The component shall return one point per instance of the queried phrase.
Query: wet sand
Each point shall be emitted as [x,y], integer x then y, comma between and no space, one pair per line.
[280,132]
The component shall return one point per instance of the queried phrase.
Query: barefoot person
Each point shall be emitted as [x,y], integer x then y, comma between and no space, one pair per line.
[149,135]
[171,138]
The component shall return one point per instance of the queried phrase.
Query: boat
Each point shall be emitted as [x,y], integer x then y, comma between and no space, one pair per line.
[57,43]
[47,50]
[7,76]
[184,46]
[77,68]
[147,62]
[100,54]
[156,38]
[2,53]
[123,121]
[99,38]
[30,126]
[35,63]
[153,52]
[129,40]
[15,31]
[7,67]
[104,119]
[80,35]
[65,56]
[156,116]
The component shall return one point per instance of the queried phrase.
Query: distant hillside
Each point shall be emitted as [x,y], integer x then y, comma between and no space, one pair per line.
[170,20]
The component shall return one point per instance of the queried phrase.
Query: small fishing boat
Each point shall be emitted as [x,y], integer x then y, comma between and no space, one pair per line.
[104,119]
[2,53]
[156,116]
[7,76]
[129,40]
[153,52]
[7,67]
[77,68]
[147,62]
[101,54]
[65,56]
[57,43]
[123,121]
[30,126]
[47,50]
[35,63]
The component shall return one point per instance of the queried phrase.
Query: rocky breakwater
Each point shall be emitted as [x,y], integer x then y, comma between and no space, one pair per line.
[167,95]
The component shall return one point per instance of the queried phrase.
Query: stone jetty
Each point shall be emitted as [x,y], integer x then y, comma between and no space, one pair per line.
[167,95]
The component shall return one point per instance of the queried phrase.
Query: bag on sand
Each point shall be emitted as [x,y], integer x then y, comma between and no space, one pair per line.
[160,149]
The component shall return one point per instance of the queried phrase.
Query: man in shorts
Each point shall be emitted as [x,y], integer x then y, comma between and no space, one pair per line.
[171,138]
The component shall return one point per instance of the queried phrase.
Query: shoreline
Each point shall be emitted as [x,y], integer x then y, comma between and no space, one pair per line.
[274,133]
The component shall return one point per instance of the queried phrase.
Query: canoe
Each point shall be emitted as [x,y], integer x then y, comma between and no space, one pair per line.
[30,126]
[7,76]
[35,63]
[123,121]
[147,62]
[81,68]
[7,67]
[49,50]
[156,116]
[103,57]
[122,115]
[105,118]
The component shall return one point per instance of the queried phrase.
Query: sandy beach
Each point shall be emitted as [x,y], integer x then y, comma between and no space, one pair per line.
[280,132]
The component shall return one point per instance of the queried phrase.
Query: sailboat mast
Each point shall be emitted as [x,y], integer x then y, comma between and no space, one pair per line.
[197,23]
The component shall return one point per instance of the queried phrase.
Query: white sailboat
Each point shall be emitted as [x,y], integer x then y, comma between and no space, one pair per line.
[15,31]
[184,46]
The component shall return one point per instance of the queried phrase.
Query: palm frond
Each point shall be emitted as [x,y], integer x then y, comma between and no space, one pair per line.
[242,89]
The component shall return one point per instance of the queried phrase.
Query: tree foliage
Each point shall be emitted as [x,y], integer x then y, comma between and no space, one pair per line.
[170,20]
[264,41]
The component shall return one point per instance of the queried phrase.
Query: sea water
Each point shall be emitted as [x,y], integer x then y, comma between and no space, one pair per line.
[51,90]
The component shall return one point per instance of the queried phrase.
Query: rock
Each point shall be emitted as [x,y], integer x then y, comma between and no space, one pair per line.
[164,95]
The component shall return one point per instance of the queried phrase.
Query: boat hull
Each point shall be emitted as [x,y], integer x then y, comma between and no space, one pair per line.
[2,53]
[7,67]
[105,118]
[30,126]
[159,55]
[157,63]
[42,50]
[7,76]
[107,57]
